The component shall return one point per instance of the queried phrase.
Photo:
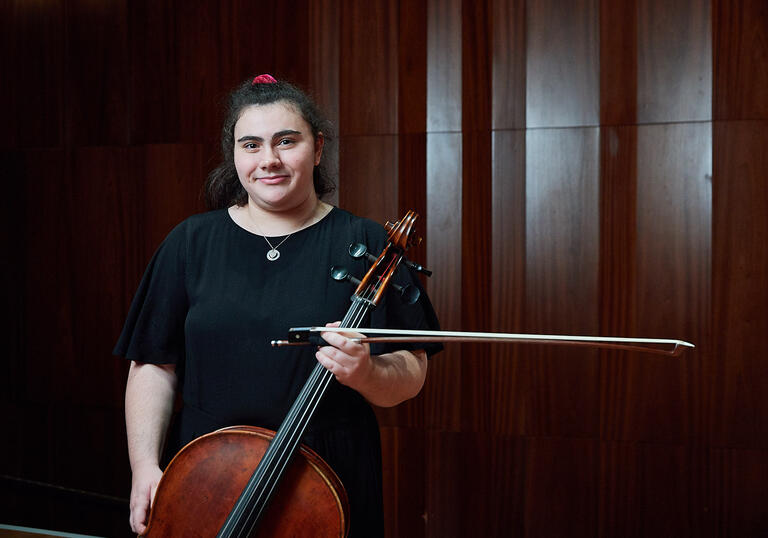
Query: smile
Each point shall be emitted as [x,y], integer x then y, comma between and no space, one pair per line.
[270,180]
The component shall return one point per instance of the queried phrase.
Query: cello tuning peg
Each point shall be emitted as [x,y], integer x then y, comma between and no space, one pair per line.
[358,250]
[418,268]
[340,274]
[409,294]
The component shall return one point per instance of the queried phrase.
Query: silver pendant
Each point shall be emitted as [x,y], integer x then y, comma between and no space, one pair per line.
[273,254]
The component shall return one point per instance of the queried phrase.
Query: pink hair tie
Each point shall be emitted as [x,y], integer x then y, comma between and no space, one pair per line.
[263,79]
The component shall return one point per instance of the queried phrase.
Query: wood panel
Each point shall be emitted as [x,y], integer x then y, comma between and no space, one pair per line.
[405,481]
[653,490]
[737,491]
[94,86]
[412,50]
[481,481]
[32,51]
[368,97]
[94,273]
[48,323]
[442,390]
[618,262]
[12,209]
[173,175]
[561,278]
[561,487]
[618,62]
[323,45]
[740,291]
[368,165]
[674,184]
[499,397]
[562,54]
[740,57]
[508,58]
[674,79]
[444,80]
[154,73]
[198,62]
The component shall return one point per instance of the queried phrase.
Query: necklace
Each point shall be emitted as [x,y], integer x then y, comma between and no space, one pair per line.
[273,254]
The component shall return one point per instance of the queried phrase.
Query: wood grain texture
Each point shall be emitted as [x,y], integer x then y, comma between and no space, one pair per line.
[562,247]
[198,44]
[405,481]
[618,62]
[508,29]
[736,487]
[561,487]
[154,79]
[368,165]
[618,260]
[412,49]
[486,498]
[323,44]
[442,391]
[740,58]
[674,79]
[32,60]
[562,54]
[444,77]
[48,323]
[740,291]
[665,400]
[12,295]
[653,490]
[95,87]
[368,97]
[499,381]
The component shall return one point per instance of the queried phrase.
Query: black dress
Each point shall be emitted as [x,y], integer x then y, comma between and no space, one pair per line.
[210,302]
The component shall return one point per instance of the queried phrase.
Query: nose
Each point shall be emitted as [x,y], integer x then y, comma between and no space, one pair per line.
[269,158]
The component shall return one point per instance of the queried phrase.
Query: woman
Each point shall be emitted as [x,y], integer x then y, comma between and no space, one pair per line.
[224,283]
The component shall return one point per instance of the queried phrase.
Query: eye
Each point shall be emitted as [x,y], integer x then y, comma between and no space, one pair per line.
[250,145]
[285,141]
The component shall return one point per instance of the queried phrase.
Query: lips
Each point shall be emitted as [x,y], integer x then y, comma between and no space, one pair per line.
[272,180]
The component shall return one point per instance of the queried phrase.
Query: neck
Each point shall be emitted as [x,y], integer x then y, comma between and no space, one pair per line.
[265,221]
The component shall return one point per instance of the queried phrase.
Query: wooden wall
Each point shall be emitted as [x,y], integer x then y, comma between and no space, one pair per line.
[585,167]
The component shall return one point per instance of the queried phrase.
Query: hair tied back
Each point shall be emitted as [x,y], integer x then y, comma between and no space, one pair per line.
[263,79]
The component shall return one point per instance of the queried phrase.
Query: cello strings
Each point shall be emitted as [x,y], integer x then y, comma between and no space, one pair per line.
[313,397]
[295,426]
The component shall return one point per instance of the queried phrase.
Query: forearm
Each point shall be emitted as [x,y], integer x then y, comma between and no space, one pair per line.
[394,377]
[149,396]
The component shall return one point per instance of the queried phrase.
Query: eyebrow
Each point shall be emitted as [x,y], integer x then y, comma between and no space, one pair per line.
[278,134]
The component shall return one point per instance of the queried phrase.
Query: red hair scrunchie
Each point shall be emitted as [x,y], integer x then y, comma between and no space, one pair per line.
[263,79]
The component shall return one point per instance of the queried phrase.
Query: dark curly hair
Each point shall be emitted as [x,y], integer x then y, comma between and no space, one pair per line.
[223,188]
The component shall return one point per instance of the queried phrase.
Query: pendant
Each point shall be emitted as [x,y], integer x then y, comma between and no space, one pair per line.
[273,254]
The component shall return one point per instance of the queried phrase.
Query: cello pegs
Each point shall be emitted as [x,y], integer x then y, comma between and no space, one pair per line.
[409,294]
[340,274]
[418,268]
[358,250]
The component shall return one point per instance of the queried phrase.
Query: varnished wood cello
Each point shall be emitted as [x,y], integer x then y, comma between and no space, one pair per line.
[247,481]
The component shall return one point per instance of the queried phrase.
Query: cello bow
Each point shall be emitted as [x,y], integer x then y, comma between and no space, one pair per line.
[311,336]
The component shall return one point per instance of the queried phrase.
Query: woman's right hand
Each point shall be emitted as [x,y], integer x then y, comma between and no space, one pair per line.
[143,487]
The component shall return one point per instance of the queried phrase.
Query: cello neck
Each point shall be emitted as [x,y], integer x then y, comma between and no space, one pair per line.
[253,501]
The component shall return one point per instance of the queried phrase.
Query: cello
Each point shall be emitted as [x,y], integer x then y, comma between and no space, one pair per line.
[247,481]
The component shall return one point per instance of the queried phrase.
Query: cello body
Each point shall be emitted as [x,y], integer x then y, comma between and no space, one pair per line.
[203,481]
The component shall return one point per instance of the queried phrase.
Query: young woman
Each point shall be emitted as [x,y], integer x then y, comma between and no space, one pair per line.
[225,283]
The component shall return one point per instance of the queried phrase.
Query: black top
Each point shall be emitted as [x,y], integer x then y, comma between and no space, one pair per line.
[210,302]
